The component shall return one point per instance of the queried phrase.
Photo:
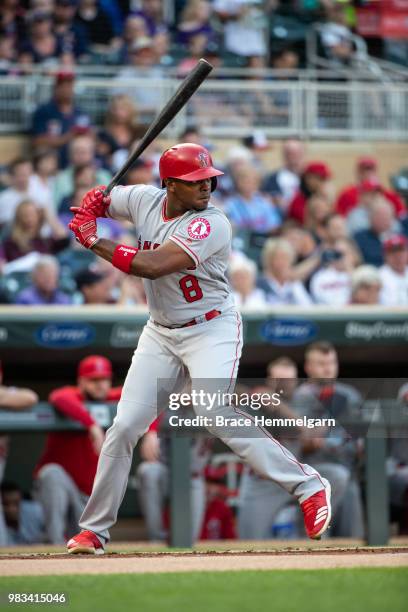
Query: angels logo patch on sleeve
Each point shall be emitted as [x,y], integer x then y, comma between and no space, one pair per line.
[199,229]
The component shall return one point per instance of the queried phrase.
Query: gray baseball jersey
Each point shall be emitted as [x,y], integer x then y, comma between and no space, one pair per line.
[177,298]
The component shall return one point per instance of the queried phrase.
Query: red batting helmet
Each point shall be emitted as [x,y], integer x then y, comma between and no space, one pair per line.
[189,162]
[95,366]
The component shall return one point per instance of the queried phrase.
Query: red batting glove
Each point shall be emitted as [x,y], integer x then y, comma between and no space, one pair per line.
[96,202]
[84,227]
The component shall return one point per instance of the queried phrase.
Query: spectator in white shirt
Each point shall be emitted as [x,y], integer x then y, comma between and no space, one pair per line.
[242,276]
[278,259]
[336,36]
[394,272]
[244,26]
[41,183]
[20,172]
[331,285]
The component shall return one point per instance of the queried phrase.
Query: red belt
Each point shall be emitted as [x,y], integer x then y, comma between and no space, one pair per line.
[206,317]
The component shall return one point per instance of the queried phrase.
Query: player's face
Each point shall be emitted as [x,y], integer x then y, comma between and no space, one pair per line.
[190,195]
[322,365]
[95,389]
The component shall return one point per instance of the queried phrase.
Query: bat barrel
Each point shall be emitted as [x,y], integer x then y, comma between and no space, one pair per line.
[184,92]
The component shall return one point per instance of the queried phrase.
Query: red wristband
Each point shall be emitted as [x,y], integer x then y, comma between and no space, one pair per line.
[123,256]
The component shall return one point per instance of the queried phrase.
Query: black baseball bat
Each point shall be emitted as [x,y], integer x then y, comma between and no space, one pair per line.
[190,84]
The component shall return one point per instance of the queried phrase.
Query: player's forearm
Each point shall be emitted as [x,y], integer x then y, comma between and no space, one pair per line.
[12,398]
[145,264]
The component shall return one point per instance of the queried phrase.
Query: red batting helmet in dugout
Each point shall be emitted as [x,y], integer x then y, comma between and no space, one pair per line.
[188,162]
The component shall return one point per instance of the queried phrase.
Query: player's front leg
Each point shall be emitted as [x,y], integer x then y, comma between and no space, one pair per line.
[213,363]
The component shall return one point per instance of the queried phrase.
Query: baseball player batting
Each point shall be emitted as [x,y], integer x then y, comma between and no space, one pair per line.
[194,331]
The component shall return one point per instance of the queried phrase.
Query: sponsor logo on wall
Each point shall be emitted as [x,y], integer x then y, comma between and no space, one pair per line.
[64,335]
[288,332]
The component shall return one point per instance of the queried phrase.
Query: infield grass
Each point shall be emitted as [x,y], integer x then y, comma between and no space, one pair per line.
[331,590]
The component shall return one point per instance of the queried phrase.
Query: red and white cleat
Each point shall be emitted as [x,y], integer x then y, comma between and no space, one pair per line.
[86,543]
[317,512]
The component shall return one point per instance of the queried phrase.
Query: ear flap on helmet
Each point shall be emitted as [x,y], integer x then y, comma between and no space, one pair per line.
[213,183]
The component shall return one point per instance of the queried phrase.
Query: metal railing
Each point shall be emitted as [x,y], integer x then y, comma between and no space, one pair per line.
[308,104]
[361,64]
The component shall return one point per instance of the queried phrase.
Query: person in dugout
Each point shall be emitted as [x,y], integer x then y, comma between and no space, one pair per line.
[65,472]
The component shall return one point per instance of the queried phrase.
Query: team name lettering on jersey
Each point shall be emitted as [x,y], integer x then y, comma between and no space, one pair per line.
[147,244]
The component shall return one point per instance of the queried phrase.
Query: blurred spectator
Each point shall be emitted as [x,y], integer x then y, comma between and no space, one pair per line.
[26,235]
[42,181]
[242,276]
[94,287]
[331,285]
[84,179]
[66,470]
[248,209]
[81,153]
[44,285]
[24,519]
[318,211]
[152,13]
[332,451]
[55,123]
[41,44]
[11,398]
[359,218]
[143,61]
[7,54]
[369,241]
[219,520]
[336,36]
[71,34]
[314,181]
[278,258]
[97,25]
[394,272]
[336,228]
[196,48]
[284,183]
[21,171]
[194,20]
[366,286]
[141,173]
[307,255]
[261,500]
[257,145]
[12,21]
[366,172]
[243,26]
[285,59]
[134,28]
[121,121]
[121,129]
[132,292]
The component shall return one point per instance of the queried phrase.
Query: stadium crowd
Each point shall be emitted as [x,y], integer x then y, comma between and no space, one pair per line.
[296,241]
[147,33]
